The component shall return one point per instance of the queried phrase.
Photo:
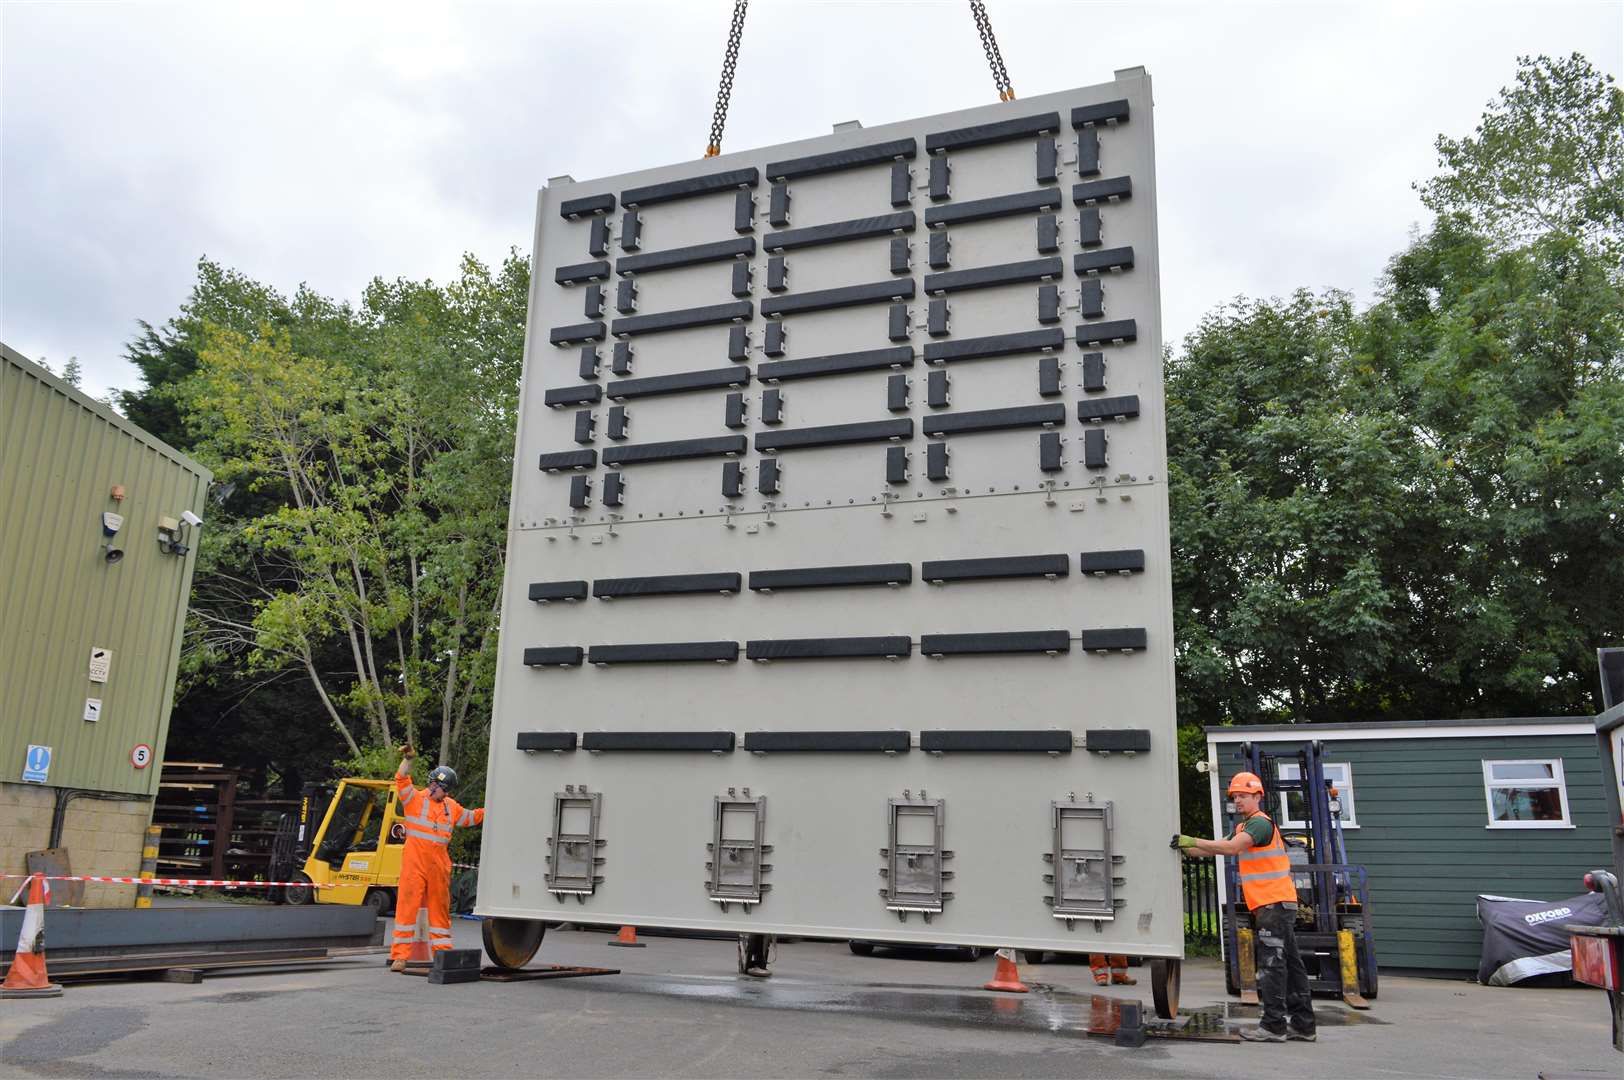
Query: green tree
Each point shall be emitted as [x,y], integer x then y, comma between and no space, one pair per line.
[372,450]
[1548,157]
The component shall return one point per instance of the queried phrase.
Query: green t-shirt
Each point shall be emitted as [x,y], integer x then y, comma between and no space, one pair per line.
[1261,830]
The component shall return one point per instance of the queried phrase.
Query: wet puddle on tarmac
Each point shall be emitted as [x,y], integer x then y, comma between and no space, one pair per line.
[1046,1009]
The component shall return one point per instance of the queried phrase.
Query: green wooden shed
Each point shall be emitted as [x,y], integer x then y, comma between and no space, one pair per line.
[1439,811]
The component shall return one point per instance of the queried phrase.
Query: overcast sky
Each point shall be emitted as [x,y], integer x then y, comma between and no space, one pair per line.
[332,143]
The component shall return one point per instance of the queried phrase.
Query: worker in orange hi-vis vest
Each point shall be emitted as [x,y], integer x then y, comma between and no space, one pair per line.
[425,866]
[1270,892]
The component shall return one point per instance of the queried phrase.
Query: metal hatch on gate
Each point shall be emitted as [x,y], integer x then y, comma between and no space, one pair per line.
[914,878]
[737,849]
[1084,885]
[572,866]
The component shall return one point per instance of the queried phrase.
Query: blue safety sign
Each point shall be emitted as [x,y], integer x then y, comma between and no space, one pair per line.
[37,764]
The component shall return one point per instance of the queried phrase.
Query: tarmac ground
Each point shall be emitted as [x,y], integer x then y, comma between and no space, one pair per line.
[679,1008]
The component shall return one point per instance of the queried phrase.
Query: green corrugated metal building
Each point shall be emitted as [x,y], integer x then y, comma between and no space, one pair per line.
[1439,811]
[70,610]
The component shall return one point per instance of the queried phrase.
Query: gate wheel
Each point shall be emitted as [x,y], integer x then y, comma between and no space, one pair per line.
[510,943]
[1164,986]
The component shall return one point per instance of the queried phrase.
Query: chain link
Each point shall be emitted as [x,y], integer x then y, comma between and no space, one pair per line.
[724,92]
[989,45]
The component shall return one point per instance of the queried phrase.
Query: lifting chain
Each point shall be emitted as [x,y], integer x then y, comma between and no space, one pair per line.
[989,45]
[724,92]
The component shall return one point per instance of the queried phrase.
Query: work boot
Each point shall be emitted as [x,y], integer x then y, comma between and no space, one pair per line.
[758,971]
[1302,1036]
[1122,978]
[1262,1034]
[398,967]
[1102,979]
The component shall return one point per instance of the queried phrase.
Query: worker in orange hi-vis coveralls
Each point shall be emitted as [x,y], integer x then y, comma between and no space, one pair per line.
[425,866]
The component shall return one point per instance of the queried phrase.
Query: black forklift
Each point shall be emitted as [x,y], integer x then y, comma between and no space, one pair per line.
[1334,930]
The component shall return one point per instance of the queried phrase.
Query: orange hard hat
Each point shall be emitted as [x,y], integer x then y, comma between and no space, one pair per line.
[1246,783]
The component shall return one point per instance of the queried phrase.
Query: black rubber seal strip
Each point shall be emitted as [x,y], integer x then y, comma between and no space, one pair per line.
[557,590]
[710,741]
[1103,113]
[575,335]
[1019,641]
[586,204]
[1093,191]
[1095,262]
[579,272]
[996,207]
[840,648]
[669,652]
[720,251]
[855,229]
[1117,740]
[546,740]
[1021,416]
[1106,332]
[830,577]
[1110,408]
[676,450]
[666,585]
[984,277]
[987,134]
[809,367]
[573,395]
[1015,566]
[1124,637]
[839,160]
[938,352]
[826,742]
[682,320]
[996,742]
[679,383]
[672,190]
[1112,562]
[845,296]
[569,459]
[555,656]
[833,435]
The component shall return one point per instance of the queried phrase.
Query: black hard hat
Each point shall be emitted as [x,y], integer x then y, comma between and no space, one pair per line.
[445,776]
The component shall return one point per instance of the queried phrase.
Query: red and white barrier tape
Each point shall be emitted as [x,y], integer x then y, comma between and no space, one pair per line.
[464,866]
[166,880]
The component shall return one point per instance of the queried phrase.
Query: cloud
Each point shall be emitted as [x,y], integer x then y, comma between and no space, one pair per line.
[332,143]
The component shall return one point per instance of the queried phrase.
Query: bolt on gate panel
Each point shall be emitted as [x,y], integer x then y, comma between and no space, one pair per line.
[841,491]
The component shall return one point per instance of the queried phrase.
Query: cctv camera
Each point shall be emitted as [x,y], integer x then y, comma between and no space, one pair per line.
[190,518]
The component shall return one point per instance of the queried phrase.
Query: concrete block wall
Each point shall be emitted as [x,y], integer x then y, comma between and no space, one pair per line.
[101,837]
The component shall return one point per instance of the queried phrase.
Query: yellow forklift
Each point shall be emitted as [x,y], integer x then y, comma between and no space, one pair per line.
[347,835]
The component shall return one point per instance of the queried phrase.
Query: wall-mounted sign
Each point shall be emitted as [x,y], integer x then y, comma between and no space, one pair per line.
[141,756]
[101,662]
[36,764]
[92,709]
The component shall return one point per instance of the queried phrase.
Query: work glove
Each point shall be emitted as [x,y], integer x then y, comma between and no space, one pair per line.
[1185,843]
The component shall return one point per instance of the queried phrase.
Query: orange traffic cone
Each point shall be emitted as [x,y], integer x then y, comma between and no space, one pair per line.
[1006,978]
[27,977]
[627,938]
[420,953]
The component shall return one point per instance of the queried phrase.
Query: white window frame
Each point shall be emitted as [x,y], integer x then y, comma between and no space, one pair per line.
[1350,808]
[1558,780]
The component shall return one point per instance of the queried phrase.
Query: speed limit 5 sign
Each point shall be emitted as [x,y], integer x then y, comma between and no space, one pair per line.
[141,756]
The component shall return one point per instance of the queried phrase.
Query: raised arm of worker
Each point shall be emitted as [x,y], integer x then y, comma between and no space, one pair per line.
[403,775]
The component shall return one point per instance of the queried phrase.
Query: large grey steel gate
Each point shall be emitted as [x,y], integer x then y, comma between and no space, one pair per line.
[838,597]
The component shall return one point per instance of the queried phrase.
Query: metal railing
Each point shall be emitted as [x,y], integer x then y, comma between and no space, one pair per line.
[1201,909]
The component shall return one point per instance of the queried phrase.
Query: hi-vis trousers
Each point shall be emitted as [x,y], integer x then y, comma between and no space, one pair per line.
[423,882]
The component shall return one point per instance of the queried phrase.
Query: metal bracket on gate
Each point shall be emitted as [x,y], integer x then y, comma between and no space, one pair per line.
[1085,887]
[913,873]
[736,850]
[574,844]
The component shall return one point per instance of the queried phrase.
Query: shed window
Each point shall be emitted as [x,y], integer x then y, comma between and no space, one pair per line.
[1340,774]
[1526,794]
